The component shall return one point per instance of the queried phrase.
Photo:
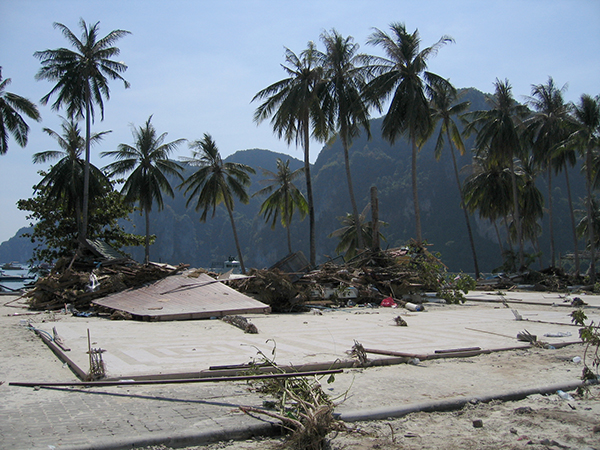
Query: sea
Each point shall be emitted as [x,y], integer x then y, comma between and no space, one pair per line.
[10,285]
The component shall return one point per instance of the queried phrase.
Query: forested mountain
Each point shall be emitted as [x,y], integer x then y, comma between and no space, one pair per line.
[181,238]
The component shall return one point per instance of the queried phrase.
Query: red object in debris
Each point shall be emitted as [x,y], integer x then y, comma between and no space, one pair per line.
[388,302]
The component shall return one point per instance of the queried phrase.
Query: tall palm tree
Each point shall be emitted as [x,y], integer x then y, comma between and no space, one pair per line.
[403,76]
[294,105]
[499,134]
[346,75]
[81,77]
[586,138]
[488,191]
[216,182]
[546,129]
[148,163]
[444,106]
[285,197]
[10,119]
[64,180]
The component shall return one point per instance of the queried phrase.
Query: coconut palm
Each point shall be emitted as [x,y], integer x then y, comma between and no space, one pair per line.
[147,161]
[346,76]
[348,233]
[444,106]
[81,77]
[64,180]
[499,134]
[403,76]
[216,182]
[285,197]
[294,105]
[488,191]
[586,139]
[546,129]
[10,120]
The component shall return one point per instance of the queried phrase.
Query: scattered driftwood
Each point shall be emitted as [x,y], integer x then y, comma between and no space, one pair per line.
[242,323]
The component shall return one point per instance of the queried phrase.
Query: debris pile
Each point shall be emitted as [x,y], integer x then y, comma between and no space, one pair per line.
[78,287]
[368,278]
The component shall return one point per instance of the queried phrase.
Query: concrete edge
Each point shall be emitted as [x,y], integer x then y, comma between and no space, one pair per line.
[266,428]
[185,439]
[451,404]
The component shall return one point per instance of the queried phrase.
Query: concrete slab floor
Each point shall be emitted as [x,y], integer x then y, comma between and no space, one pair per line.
[148,348]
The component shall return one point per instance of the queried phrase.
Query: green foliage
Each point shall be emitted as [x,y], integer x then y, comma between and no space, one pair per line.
[434,275]
[55,229]
[590,336]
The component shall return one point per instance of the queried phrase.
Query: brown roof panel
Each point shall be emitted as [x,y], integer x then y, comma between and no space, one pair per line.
[179,297]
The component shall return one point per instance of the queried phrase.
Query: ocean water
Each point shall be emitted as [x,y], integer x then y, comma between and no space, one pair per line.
[15,285]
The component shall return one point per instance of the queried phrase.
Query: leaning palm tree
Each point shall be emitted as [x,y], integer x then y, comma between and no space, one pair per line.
[346,76]
[294,105]
[586,139]
[216,182]
[444,106]
[148,163]
[499,134]
[10,120]
[285,197]
[64,180]
[403,76]
[81,77]
[546,129]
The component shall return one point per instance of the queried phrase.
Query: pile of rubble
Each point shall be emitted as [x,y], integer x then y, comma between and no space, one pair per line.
[95,271]
[368,278]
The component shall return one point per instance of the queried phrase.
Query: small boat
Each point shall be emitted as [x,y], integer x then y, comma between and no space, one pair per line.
[6,277]
[11,266]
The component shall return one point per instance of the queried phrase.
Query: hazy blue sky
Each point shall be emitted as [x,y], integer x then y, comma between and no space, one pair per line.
[195,65]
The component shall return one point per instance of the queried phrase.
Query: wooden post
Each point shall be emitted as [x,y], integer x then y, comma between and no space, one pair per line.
[375,218]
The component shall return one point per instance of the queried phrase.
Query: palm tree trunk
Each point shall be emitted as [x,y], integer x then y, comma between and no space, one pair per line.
[235,238]
[415,193]
[462,205]
[287,227]
[517,216]
[147,238]
[86,169]
[590,214]
[551,217]
[499,239]
[360,241]
[309,192]
[573,226]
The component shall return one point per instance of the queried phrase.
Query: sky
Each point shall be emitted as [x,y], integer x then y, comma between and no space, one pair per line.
[195,65]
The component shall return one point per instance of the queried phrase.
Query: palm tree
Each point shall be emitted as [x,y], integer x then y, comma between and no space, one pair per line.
[346,75]
[546,129]
[498,133]
[216,182]
[444,106]
[586,138]
[403,76]
[285,197]
[295,108]
[349,232]
[64,180]
[10,119]
[488,191]
[81,77]
[148,161]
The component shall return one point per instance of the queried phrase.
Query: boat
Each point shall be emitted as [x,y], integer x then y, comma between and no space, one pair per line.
[5,277]
[12,266]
